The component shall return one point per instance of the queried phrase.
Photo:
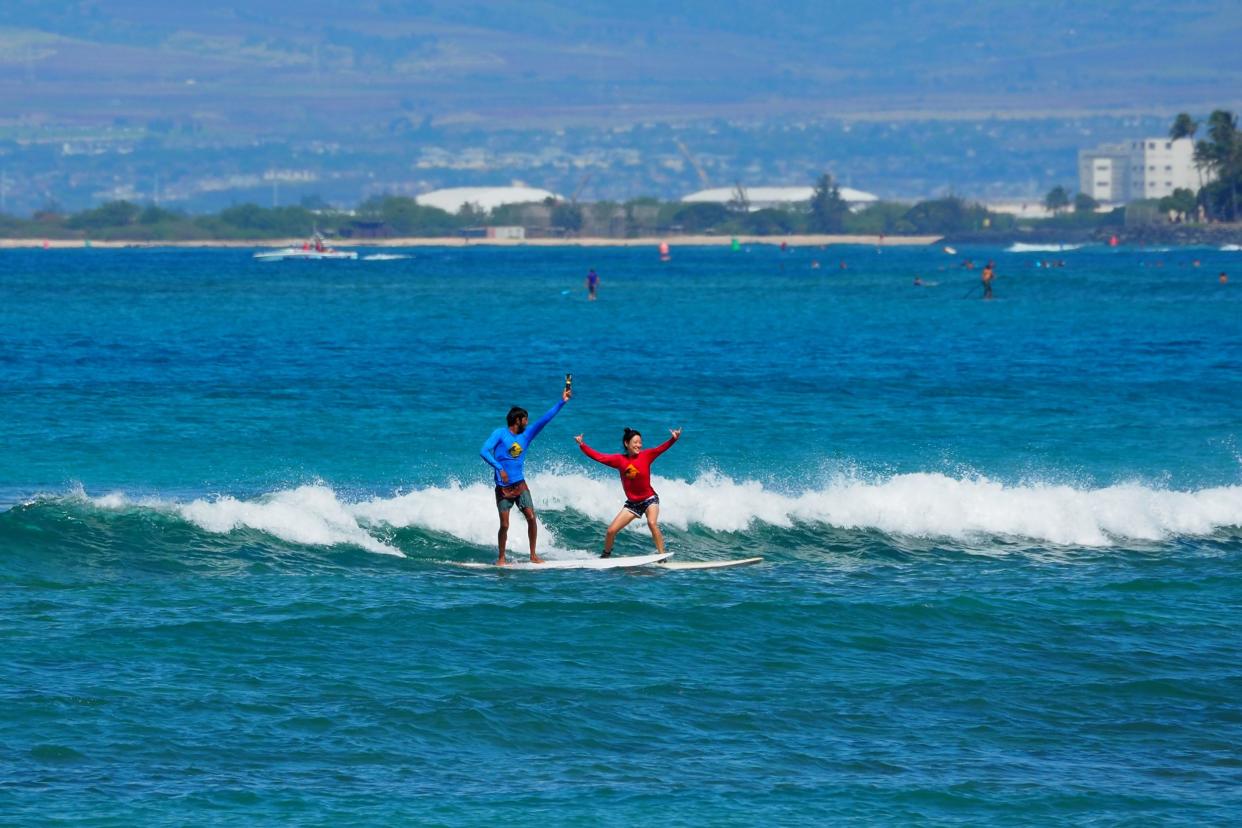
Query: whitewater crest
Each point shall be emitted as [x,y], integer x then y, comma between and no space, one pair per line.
[1023,247]
[922,505]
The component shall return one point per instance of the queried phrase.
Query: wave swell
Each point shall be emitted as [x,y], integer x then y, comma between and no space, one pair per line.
[922,505]
[1023,247]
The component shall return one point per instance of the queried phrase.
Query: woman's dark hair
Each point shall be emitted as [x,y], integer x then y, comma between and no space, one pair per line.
[515,414]
[627,435]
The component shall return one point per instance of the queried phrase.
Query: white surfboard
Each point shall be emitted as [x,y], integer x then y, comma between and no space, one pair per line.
[684,565]
[524,563]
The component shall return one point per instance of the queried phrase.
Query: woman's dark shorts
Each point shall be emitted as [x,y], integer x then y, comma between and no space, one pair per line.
[638,508]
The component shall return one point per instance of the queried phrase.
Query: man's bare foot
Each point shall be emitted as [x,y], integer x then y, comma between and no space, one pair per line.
[501,562]
[535,558]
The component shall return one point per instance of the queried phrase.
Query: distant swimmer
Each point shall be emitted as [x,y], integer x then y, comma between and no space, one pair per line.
[640,499]
[918,281]
[592,284]
[505,452]
[1223,277]
[989,273]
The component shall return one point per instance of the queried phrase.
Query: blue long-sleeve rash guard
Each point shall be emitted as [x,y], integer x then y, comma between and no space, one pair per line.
[506,450]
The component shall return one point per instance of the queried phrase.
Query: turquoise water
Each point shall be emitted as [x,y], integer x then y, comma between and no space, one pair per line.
[1003,539]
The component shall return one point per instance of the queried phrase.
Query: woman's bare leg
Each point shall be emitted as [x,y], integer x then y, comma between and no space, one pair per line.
[653,523]
[622,520]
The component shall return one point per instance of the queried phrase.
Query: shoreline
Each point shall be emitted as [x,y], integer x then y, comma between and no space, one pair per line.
[458,241]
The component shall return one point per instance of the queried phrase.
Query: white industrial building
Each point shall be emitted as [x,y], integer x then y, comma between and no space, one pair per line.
[759,198]
[485,198]
[1147,168]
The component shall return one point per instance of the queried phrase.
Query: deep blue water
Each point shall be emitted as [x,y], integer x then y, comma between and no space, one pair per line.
[1003,539]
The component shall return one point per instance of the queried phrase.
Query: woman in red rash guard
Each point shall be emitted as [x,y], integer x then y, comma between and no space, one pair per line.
[635,467]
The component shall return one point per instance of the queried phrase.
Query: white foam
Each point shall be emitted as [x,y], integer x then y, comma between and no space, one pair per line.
[311,515]
[1231,248]
[922,505]
[1022,247]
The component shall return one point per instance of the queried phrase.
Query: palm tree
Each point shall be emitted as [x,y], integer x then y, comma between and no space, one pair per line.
[1184,126]
[1057,199]
[1222,154]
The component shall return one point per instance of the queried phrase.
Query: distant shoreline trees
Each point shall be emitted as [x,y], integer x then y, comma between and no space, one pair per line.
[1220,155]
[389,216]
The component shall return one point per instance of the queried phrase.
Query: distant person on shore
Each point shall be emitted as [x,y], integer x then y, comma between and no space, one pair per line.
[505,452]
[989,273]
[640,499]
[592,284]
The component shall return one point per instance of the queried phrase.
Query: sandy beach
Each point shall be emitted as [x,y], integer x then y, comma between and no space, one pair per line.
[457,241]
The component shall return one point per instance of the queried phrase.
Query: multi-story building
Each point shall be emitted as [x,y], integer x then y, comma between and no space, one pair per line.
[1147,168]
[1159,166]
[1104,173]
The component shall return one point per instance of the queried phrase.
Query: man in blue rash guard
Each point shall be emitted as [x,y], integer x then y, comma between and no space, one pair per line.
[505,452]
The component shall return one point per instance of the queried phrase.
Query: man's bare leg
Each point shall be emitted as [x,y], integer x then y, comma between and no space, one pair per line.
[532,533]
[501,537]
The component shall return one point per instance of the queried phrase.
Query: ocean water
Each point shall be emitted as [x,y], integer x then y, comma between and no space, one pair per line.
[1002,540]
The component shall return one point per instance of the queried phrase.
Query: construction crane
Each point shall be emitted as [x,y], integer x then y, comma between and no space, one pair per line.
[698,168]
[581,185]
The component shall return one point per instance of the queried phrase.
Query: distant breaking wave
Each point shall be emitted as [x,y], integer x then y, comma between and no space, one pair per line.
[1021,247]
[1231,248]
[924,505]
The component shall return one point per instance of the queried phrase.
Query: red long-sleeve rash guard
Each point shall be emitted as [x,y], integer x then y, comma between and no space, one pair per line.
[635,471]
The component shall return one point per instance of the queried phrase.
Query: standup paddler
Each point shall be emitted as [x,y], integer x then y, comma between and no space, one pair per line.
[989,273]
[640,499]
[505,452]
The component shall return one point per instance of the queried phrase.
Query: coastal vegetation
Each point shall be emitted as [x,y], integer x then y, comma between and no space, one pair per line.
[398,216]
[1218,153]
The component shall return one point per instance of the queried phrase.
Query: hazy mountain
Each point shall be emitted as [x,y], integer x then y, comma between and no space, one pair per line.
[256,65]
[155,87]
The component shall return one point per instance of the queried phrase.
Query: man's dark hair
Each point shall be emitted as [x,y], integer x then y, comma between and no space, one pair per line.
[515,414]
[627,434]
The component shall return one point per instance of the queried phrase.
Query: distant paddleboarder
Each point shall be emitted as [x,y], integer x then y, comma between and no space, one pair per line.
[640,499]
[505,452]
[989,273]
[592,284]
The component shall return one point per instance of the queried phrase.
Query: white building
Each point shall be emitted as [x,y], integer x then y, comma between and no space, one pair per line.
[758,198]
[1159,166]
[1147,168]
[485,198]
[1104,173]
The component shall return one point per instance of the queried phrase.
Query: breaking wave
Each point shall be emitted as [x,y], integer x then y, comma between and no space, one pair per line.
[929,506]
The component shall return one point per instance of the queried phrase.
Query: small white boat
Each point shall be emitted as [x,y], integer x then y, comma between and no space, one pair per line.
[311,251]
